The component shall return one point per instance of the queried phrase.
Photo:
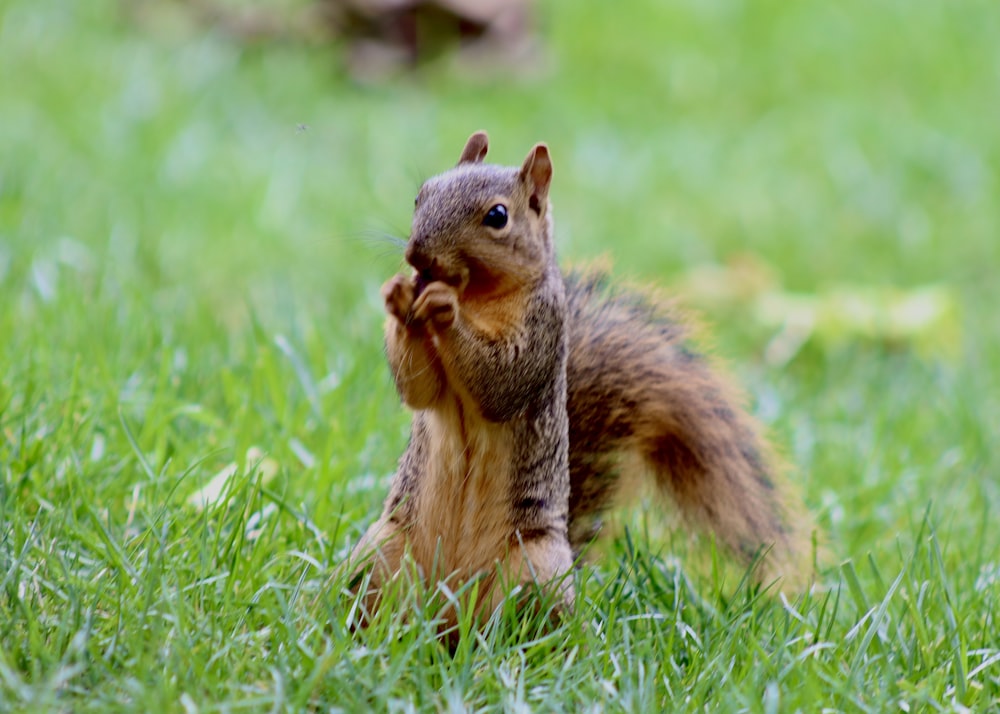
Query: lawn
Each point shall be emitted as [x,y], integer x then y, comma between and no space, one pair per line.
[192,238]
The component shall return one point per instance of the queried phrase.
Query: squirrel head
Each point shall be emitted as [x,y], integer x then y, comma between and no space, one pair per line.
[481,227]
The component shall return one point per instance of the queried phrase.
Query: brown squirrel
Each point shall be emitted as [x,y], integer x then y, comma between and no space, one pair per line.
[529,387]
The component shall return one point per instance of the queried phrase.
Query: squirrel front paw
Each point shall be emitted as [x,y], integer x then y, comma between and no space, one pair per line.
[437,305]
[399,292]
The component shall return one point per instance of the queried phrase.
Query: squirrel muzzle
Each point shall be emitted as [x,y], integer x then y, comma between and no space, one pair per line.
[430,268]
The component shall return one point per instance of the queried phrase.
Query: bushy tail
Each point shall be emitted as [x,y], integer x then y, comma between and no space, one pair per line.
[635,389]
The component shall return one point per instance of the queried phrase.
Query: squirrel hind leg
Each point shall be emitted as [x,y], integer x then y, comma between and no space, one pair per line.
[594,483]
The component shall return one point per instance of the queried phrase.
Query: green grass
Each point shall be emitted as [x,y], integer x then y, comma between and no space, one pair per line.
[190,256]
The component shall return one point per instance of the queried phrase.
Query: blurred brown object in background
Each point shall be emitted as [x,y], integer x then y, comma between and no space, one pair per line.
[387,34]
[380,36]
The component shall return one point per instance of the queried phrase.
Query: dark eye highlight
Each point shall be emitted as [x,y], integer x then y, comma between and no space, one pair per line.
[496,217]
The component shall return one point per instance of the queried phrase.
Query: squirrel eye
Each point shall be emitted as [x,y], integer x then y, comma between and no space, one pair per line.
[496,217]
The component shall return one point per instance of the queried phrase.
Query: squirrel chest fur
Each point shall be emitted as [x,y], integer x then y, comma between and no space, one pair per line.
[527,387]
[482,478]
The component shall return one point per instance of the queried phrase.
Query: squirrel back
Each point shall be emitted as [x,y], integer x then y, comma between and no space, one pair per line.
[528,389]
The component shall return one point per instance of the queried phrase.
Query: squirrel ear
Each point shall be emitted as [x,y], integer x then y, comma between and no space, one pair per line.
[536,173]
[475,149]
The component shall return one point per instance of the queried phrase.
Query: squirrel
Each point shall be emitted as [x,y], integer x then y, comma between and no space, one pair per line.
[530,390]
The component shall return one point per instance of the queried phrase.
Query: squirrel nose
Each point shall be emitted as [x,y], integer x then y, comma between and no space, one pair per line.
[416,257]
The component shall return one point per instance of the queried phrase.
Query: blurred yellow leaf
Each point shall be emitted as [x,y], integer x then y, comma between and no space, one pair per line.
[925,318]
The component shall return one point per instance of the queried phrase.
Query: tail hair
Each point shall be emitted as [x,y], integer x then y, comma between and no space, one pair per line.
[635,388]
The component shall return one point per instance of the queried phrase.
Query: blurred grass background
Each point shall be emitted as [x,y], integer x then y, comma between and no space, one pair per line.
[192,236]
